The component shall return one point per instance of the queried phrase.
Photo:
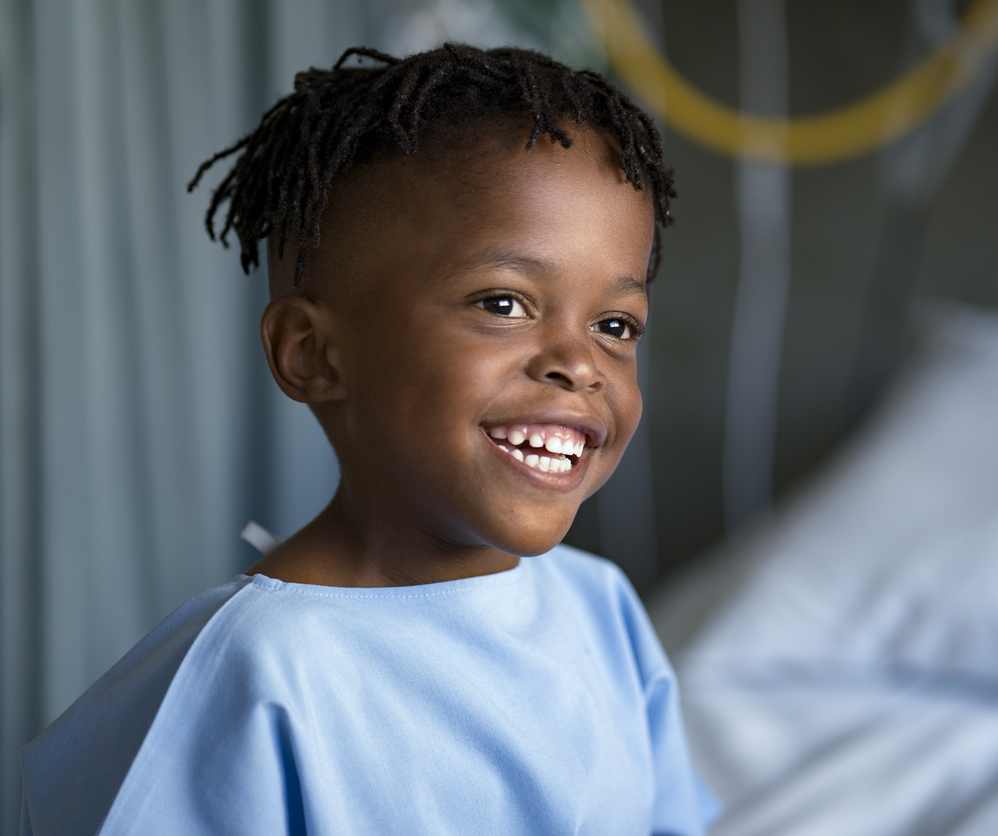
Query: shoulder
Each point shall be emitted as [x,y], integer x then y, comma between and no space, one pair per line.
[598,583]
[254,648]
[683,804]
[191,689]
[587,570]
[136,684]
[607,600]
[104,729]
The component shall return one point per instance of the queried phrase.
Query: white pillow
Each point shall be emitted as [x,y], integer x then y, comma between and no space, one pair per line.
[887,566]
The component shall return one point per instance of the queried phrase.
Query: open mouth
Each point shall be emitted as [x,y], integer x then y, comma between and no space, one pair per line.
[550,448]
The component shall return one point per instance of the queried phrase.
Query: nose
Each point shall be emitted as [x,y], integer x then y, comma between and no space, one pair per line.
[567,361]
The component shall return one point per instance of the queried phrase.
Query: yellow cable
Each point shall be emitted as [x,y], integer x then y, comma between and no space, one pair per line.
[806,140]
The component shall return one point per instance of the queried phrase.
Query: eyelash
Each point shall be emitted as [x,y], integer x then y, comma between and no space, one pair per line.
[637,329]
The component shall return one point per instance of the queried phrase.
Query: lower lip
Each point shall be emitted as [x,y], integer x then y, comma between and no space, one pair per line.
[563,482]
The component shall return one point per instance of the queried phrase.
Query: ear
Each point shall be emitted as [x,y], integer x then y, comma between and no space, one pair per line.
[299,340]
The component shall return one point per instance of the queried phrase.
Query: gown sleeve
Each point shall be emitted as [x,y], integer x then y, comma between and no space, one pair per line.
[224,773]
[684,804]
[189,733]
[221,755]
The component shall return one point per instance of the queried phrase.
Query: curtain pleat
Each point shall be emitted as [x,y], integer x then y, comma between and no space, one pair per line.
[20,398]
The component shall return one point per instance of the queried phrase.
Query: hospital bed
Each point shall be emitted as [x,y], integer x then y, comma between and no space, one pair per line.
[839,662]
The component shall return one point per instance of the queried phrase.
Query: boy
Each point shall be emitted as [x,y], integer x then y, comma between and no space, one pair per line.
[459,303]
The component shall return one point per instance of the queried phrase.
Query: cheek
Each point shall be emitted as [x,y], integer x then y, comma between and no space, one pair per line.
[461,370]
[627,406]
[624,404]
[440,386]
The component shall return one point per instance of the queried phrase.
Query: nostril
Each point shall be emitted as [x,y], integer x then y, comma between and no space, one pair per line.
[558,377]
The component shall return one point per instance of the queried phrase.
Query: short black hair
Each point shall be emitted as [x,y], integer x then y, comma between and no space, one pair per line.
[338,118]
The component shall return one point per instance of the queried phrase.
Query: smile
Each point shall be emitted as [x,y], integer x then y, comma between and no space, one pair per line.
[550,448]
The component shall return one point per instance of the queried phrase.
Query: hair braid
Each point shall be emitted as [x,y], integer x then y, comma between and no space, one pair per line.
[338,118]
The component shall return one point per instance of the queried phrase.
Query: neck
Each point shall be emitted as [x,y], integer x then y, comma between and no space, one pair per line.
[347,548]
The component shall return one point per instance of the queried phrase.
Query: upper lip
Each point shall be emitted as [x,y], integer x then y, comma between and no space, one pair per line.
[593,428]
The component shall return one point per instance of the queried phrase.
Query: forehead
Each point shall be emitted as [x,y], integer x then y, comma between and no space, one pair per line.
[459,199]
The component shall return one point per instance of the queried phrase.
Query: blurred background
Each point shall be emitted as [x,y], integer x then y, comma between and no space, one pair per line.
[835,162]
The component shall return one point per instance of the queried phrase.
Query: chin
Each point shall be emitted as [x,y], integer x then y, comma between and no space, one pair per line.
[534,540]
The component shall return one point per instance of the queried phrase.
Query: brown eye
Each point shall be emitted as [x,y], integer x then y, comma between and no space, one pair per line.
[615,328]
[502,306]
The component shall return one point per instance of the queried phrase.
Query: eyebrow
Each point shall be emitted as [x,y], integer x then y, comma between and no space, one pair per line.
[527,264]
[632,287]
[521,263]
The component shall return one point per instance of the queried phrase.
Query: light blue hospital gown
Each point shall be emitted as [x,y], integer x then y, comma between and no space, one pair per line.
[533,701]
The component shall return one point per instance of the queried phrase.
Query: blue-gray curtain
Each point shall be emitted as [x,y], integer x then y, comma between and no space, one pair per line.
[138,429]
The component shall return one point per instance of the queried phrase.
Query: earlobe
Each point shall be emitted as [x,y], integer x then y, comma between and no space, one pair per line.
[300,347]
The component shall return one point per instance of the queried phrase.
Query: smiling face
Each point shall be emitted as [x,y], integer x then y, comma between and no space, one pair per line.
[483,326]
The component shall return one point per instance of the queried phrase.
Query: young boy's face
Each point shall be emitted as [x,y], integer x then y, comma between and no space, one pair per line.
[482,312]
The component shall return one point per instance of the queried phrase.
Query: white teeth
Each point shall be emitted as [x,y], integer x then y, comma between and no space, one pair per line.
[557,445]
[547,464]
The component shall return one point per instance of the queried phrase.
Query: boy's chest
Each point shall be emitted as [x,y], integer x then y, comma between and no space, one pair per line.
[528,732]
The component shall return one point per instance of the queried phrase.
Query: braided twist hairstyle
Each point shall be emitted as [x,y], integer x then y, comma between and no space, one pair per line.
[338,118]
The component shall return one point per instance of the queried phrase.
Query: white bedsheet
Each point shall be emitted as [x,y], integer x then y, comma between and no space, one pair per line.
[839,666]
